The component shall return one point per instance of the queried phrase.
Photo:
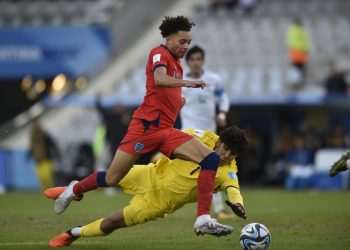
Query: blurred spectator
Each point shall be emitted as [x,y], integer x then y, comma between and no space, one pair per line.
[114,123]
[251,161]
[84,161]
[298,49]
[336,137]
[312,139]
[44,150]
[229,4]
[283,143]
[247,6]
[299,165]
[335,82]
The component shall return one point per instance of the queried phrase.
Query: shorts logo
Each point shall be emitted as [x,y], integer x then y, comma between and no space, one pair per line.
[232,175]
[139,146]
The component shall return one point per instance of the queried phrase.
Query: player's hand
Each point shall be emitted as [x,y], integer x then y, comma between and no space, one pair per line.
[195,84]
[238,209]
[221,120]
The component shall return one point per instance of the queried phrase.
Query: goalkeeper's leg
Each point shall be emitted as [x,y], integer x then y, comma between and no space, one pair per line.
[137,212]
[101,227]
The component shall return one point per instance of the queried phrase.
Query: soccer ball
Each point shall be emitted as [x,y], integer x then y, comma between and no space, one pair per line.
[255,236]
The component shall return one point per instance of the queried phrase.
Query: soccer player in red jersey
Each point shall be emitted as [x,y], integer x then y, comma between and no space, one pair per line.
[152,127]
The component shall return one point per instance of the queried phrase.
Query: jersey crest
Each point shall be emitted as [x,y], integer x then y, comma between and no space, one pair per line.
[232,175]
[139,146]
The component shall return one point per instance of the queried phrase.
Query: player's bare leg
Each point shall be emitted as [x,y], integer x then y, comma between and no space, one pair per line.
[196,151]
[192,150]
[340,165]
[120,166]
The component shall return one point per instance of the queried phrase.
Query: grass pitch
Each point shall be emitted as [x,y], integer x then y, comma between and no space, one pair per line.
[296,220]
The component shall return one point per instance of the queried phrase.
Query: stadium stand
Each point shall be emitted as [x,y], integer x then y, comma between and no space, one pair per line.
[250,53]
[58,12]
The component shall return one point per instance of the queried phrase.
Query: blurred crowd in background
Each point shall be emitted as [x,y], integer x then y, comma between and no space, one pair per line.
[284,156]
[288,157]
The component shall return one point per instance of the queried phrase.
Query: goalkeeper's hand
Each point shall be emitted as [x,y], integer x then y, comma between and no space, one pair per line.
[238,209]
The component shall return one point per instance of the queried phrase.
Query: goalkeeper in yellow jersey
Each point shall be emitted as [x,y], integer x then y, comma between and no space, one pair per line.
[166,186]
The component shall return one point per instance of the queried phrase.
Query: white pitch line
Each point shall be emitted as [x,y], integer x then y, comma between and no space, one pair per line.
[22,243]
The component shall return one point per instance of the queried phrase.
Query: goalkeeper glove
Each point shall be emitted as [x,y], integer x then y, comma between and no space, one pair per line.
[238,209]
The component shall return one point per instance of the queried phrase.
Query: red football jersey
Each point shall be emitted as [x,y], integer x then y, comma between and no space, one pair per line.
[163,102]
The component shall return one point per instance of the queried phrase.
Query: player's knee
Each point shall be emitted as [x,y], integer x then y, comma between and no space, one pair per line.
[210,162]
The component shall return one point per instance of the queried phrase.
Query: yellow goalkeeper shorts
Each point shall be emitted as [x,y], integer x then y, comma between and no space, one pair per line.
[144,207]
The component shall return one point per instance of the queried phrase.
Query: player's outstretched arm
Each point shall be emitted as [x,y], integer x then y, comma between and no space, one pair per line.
[161,79]
[235,202]
[238,209]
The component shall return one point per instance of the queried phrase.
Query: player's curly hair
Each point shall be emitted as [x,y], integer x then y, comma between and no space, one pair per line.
[171,25]
[235,139]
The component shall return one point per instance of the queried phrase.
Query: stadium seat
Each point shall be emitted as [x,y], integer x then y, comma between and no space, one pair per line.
[239,81]
[45,12]
[275,82]
[255,82]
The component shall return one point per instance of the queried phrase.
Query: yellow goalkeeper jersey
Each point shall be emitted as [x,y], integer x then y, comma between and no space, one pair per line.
[176,179]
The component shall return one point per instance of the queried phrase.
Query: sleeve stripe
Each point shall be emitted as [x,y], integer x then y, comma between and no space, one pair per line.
[217,188]
[232,187]
[158,65]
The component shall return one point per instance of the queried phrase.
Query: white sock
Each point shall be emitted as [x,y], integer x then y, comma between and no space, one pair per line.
[76,231]
[218,203]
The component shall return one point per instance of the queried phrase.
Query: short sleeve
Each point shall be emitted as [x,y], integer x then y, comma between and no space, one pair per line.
[219,87]
[159,59]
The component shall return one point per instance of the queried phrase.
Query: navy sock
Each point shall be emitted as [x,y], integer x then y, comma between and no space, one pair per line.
[101,179]
[210,162]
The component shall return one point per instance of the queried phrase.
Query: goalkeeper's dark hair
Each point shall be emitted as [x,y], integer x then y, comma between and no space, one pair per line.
[171,25]
[193,50]
[235,139]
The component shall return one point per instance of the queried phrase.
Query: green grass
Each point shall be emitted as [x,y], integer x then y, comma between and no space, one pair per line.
[296,220]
